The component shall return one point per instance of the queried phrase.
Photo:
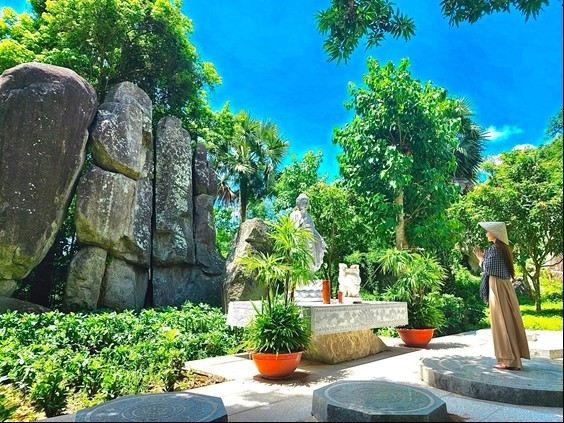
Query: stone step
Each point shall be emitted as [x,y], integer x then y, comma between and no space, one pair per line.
[373,400]
[538,383]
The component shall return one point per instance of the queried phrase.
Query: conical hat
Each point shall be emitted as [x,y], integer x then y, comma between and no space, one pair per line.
[497,229]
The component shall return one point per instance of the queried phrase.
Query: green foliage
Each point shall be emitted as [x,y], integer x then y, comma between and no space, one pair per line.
[278,325]
[333,211]
[49,392]
[373,281]
[418,283]
[110,41]
[398,155]
[471,140]
[53,356]
[246,159]
[345,22]
[471,11]
[296,178]
[225,227]
[554,129]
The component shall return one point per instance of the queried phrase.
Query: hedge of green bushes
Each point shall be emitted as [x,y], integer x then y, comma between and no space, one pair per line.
[104,355]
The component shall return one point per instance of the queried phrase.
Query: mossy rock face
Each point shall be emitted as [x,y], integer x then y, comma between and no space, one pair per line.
[45,112]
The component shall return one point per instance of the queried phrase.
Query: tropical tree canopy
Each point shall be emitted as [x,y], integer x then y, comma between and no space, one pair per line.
[346,22]
[398,153]
[246,159]
[111,41]
[525,191]
[296,178]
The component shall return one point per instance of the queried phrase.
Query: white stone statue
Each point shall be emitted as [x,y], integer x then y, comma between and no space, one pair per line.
[301,218]
[349,280]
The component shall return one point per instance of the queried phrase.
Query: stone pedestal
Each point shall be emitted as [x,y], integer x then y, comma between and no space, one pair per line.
[344,346]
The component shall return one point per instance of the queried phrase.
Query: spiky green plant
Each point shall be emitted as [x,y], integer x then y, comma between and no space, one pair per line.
[419,279]
[278,325]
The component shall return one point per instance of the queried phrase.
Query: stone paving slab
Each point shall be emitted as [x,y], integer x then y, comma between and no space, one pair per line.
[166,407]
[539,382]
[363,400]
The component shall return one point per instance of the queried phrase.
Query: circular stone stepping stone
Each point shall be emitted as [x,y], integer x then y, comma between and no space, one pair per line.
[165,407]
[364,400]
[538,383]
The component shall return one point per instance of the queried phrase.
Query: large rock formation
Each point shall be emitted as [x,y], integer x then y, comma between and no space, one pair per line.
[239,285]
[187,265]
[114,206]
[131,253]
[45,112]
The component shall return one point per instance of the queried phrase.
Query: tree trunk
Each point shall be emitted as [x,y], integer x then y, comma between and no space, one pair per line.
[243,201]
[401,242]
[526,281]
[536,285]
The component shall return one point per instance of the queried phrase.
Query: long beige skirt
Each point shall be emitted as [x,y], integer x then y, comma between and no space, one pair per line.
[508,332]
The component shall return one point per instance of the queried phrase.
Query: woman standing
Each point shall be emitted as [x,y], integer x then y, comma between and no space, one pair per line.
[508,332]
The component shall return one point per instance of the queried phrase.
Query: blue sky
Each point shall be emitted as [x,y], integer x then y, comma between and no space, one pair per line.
[270,57]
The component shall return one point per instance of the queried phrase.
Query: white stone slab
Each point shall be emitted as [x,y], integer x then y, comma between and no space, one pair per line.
[332,318]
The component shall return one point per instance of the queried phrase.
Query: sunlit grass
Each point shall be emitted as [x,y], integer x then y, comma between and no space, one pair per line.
[550,317]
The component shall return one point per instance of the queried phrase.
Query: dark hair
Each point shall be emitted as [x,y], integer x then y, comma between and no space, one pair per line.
[506,255]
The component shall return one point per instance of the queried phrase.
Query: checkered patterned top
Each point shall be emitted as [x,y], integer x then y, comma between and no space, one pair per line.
[494,265]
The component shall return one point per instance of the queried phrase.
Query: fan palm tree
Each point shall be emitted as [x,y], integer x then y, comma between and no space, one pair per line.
[246,163]
[470,146]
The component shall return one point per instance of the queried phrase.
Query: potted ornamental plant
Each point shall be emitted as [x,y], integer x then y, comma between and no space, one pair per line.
[419,278]
[278,334]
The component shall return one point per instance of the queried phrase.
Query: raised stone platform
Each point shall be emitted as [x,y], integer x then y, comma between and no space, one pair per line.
[332,318]
[341,332]
[539,383]
[166,407]
[362,400]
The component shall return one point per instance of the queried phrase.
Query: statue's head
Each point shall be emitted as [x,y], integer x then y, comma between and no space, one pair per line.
[302,201]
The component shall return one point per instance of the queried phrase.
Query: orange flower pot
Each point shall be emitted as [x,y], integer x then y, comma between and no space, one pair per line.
[418,338]
[277,366]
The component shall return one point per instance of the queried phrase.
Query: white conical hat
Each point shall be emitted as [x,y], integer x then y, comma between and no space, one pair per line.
[497,229]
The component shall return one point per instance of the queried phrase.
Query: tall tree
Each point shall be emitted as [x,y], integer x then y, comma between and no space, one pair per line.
[333,210]
[398,151]
[525,191]
[470,146]
[110,41]
[248,160]
[296,178]
[345,22]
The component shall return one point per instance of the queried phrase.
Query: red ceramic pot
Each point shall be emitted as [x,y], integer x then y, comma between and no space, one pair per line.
[418,338]
[277,366]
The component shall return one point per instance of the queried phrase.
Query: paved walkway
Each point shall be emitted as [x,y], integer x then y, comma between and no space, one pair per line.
[248,397]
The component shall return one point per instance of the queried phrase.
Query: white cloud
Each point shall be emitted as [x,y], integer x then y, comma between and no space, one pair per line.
[494,134]
[523,147]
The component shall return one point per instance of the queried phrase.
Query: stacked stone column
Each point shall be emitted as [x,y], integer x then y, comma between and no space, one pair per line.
[186,265]
[114,207]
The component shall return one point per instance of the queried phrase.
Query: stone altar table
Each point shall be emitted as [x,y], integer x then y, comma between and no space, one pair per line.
[341,332]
